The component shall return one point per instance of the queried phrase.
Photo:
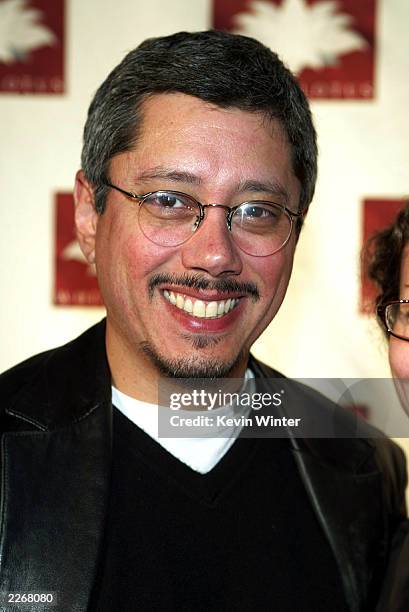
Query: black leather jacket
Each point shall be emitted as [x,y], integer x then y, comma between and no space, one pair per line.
[56,423]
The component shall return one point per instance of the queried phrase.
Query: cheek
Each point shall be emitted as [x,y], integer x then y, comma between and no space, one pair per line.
[274,274]
[122,251]
[140,258]
[136,258]
[399,362]
[120,260]
[399,357]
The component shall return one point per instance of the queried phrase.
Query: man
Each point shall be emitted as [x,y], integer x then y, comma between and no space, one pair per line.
[198,166]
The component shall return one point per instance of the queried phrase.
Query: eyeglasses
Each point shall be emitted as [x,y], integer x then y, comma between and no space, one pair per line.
[170,218]
[395,317]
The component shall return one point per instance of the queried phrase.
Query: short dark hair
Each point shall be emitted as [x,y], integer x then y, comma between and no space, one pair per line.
[382,257]
[228,70]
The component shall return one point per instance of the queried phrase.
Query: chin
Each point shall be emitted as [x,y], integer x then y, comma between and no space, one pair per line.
[194,365]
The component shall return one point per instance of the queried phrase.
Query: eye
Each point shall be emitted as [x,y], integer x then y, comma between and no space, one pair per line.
[258,214]
[259,211]
[170,205]
[169,200]
[403,314]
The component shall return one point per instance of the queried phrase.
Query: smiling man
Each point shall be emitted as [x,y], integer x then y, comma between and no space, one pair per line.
[198,167]
[184,302]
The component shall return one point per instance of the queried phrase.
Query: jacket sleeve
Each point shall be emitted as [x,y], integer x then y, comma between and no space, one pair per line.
[395,589]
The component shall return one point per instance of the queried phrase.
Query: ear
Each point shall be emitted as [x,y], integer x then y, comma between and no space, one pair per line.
[86,216]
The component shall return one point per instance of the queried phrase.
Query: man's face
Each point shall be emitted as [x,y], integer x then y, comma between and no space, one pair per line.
[224,156]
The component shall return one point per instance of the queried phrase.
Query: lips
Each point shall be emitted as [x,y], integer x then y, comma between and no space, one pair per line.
[202,309]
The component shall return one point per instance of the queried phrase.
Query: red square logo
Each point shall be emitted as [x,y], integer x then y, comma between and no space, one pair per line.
[377,214]
[75,279]
[328,44]
[32,46]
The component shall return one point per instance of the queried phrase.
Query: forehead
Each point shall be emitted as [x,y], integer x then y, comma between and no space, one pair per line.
[218,145]
[189,117]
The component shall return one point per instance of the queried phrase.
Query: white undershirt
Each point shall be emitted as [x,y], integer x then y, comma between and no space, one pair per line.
[201,453]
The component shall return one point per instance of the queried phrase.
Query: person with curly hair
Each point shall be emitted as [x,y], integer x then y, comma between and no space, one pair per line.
[387,264]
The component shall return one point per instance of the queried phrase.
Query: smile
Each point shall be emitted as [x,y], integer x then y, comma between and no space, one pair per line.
[200,308]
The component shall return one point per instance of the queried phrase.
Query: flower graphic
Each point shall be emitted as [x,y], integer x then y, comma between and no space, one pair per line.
[305,36]
[21,31]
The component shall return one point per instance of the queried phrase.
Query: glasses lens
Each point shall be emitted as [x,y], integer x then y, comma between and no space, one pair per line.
[261,228]
[168,218]
[397,319]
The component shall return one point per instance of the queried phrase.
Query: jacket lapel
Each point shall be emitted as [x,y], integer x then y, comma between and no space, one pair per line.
[55,476]
[54,494]
[344,486]
[349,510]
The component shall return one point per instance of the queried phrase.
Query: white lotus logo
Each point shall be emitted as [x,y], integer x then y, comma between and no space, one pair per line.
[304,36]
[21,31]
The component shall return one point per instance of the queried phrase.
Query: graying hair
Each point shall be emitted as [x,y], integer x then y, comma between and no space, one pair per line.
[225,69]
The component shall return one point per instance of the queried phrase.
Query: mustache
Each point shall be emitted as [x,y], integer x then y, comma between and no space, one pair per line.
[198,281]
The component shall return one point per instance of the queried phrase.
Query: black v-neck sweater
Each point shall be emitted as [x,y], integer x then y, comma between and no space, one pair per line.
[243,537]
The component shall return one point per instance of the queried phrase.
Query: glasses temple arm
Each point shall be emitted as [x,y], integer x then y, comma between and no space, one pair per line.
[130,194]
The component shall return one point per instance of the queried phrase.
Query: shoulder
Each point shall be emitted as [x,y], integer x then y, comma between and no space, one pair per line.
[14,379]
[353,445]
[37,385]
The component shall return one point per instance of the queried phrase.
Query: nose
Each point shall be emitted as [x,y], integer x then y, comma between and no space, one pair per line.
[211,248]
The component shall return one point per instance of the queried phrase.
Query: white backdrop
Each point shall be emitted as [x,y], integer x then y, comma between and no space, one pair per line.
[364,151]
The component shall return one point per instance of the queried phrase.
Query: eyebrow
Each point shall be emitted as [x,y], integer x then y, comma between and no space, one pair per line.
[169,174]
[272,187]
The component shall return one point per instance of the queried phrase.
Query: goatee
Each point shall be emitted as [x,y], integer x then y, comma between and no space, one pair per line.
[193,366]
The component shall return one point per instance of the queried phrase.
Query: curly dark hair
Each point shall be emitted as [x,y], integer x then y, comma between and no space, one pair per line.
[382,257]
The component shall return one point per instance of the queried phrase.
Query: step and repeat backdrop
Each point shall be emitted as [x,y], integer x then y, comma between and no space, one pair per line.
[352,59]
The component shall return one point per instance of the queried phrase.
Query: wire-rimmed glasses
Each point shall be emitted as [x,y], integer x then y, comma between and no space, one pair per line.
[395,317]
[169,218]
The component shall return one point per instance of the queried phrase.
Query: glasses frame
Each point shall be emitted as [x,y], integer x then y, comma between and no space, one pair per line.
[229,215]
[381,311]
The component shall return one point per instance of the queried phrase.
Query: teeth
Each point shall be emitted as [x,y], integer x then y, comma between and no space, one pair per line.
[188,306]
[199,308]
[211,310]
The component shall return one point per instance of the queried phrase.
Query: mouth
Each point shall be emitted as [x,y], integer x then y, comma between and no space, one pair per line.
[202,309]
